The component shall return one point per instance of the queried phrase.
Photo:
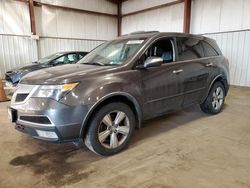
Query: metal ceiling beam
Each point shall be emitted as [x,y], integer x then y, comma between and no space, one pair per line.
[119,18]
[39,4]
[187,16]
[24,1]
[32,17]
[116,1]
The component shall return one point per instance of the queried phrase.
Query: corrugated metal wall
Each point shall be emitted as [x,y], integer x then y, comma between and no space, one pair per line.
[48,46]
[163,19]
[59,30]
[94,5]
[16,47]
[16,51]
[14,18]
[64,30]
[236,47]
[51,22]
[224,17]
[219,15]
[135,5]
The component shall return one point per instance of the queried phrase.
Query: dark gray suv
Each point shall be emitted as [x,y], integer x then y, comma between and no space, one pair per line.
[121,83]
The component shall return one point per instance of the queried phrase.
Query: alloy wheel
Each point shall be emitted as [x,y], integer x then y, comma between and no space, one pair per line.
[113,129]
[218,97]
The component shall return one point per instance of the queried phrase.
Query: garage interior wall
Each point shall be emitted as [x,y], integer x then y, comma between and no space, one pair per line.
[62,30]
[16,46]
[231,30]
[58,29]
[212,18]
[169,18]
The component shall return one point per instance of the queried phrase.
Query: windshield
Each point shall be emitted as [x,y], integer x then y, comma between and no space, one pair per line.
[49,58]
[115,52]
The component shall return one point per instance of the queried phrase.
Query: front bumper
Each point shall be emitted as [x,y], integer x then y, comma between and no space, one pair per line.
[44,116]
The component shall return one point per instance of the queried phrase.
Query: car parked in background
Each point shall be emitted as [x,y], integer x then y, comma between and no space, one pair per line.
[121,83]
[61,58]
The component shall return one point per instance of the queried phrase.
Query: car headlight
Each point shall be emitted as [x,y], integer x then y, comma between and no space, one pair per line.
[54,91]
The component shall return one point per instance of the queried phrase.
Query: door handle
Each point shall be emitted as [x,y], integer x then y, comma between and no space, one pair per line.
[177,71]
[209,64]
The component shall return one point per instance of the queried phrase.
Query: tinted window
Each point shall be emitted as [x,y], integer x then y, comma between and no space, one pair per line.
[66,59]
[72,58]
[162,48]
[49,58]
[82,54]
[208,50]
[189,48]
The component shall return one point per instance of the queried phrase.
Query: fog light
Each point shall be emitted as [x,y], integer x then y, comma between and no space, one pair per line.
[47,134]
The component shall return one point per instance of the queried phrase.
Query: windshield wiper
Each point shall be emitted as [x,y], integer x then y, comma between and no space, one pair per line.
[93,63]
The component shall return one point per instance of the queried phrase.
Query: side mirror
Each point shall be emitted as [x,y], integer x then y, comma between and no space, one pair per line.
[151,62]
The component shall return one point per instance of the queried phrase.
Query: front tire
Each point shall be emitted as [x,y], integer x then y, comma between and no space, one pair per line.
[215,99]
[110,129]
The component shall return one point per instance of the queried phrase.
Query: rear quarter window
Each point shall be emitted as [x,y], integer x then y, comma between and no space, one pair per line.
[189,48]
[209,50]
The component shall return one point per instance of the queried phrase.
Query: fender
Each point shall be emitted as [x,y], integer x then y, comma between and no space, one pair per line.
[113,94]
[210,86]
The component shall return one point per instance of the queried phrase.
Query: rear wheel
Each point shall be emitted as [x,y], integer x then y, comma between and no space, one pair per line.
[215,99]
[110,129]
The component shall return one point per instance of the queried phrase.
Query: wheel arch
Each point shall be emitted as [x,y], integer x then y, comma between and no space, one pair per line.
[221,78]
[113,97]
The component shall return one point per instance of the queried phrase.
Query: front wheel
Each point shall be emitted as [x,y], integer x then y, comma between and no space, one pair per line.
[215,99]
[110,129]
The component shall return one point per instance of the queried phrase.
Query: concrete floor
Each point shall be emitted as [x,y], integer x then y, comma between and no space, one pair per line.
[184,149]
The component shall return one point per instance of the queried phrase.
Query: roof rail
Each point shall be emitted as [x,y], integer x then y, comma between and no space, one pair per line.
[141,32]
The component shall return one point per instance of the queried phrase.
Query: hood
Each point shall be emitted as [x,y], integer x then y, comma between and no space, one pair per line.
[15,75]
[28,68]
[62,74]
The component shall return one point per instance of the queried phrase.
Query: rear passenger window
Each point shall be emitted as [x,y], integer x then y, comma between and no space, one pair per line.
[189,48]
[208,50]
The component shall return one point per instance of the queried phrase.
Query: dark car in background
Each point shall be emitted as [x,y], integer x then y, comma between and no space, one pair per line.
[121,83]
[61,58]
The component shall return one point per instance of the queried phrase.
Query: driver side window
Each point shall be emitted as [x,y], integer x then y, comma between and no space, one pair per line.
[162,48]
[66,59]
[61,60]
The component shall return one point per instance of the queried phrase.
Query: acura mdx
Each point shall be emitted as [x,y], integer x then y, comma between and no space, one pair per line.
[106,95]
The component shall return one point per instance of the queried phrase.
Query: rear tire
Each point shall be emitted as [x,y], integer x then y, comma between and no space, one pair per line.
[215,99]
[110,129]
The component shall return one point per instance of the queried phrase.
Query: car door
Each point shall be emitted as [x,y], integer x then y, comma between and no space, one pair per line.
[161,86]
[195,72]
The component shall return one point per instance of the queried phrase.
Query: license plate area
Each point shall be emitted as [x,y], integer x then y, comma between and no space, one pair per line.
[12,113]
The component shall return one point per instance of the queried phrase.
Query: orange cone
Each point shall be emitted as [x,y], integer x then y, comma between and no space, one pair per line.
[2,92]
